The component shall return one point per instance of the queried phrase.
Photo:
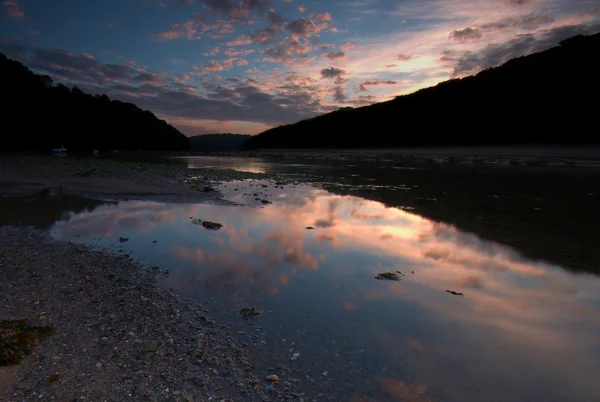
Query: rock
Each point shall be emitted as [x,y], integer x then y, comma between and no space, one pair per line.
[452,292]
[295,356]
[266,202]
[123,239]
[389,276]
[250,312]
[309,228]
[273,378]
[207,224]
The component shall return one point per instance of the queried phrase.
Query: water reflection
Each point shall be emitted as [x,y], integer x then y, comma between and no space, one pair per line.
[524,330]
[251,165]
[42,211]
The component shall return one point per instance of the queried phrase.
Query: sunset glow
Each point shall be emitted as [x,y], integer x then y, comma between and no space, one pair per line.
[244,66]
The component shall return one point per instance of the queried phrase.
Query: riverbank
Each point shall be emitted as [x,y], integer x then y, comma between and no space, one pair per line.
[118,335]
[110,179]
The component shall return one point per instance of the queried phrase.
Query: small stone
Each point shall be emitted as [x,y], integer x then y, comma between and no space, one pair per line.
[273,378]
[98,365]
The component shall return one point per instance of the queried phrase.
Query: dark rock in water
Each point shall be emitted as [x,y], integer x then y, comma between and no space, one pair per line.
[207,224]
[452,292]
[389,276]
[208,189]
[310,228]
[211,225]
[123,239]
[266,202]
[250,312]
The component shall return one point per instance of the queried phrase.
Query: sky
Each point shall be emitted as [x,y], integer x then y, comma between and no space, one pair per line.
[244,66]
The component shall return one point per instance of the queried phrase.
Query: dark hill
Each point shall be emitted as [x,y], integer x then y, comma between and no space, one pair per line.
[38,115]
[218,142]
[549,97]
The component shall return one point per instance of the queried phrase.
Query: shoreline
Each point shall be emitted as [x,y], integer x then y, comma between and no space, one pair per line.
[119,335]
[109,179]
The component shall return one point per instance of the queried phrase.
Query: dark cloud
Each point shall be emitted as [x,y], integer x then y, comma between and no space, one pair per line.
[466,63]
[148,77]
[172,98]
[529,22]
[331,72]
[275,19]
[302,27]
[265,36]
[335,55]
[237,8]
[467,34]
[363,87]
[242,102]
[519,2]
[291,50]
[403,57]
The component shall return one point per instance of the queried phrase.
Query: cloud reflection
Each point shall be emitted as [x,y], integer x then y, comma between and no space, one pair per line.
[528,307]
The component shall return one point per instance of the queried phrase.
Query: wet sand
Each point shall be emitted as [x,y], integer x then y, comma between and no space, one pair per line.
[103,178]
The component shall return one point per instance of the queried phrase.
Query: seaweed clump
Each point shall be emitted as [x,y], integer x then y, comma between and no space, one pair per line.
[389,276]
[250,312]
[17,337]
[207,224]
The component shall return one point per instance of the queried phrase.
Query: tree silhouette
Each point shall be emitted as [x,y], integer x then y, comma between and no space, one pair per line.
[544,98]
[40,115]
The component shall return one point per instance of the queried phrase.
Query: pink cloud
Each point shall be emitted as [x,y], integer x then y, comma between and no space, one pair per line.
[12,8]
[178,31]
[321,17]
[347,46]
[335,55]
[223,65]
[232,52]
[212,52]
[326,46]
[302,9]
[194,28]
[240,41]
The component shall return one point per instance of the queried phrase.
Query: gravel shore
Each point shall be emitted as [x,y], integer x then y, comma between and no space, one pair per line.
[118,335]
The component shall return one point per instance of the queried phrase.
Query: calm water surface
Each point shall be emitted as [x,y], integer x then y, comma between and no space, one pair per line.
[524,330]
